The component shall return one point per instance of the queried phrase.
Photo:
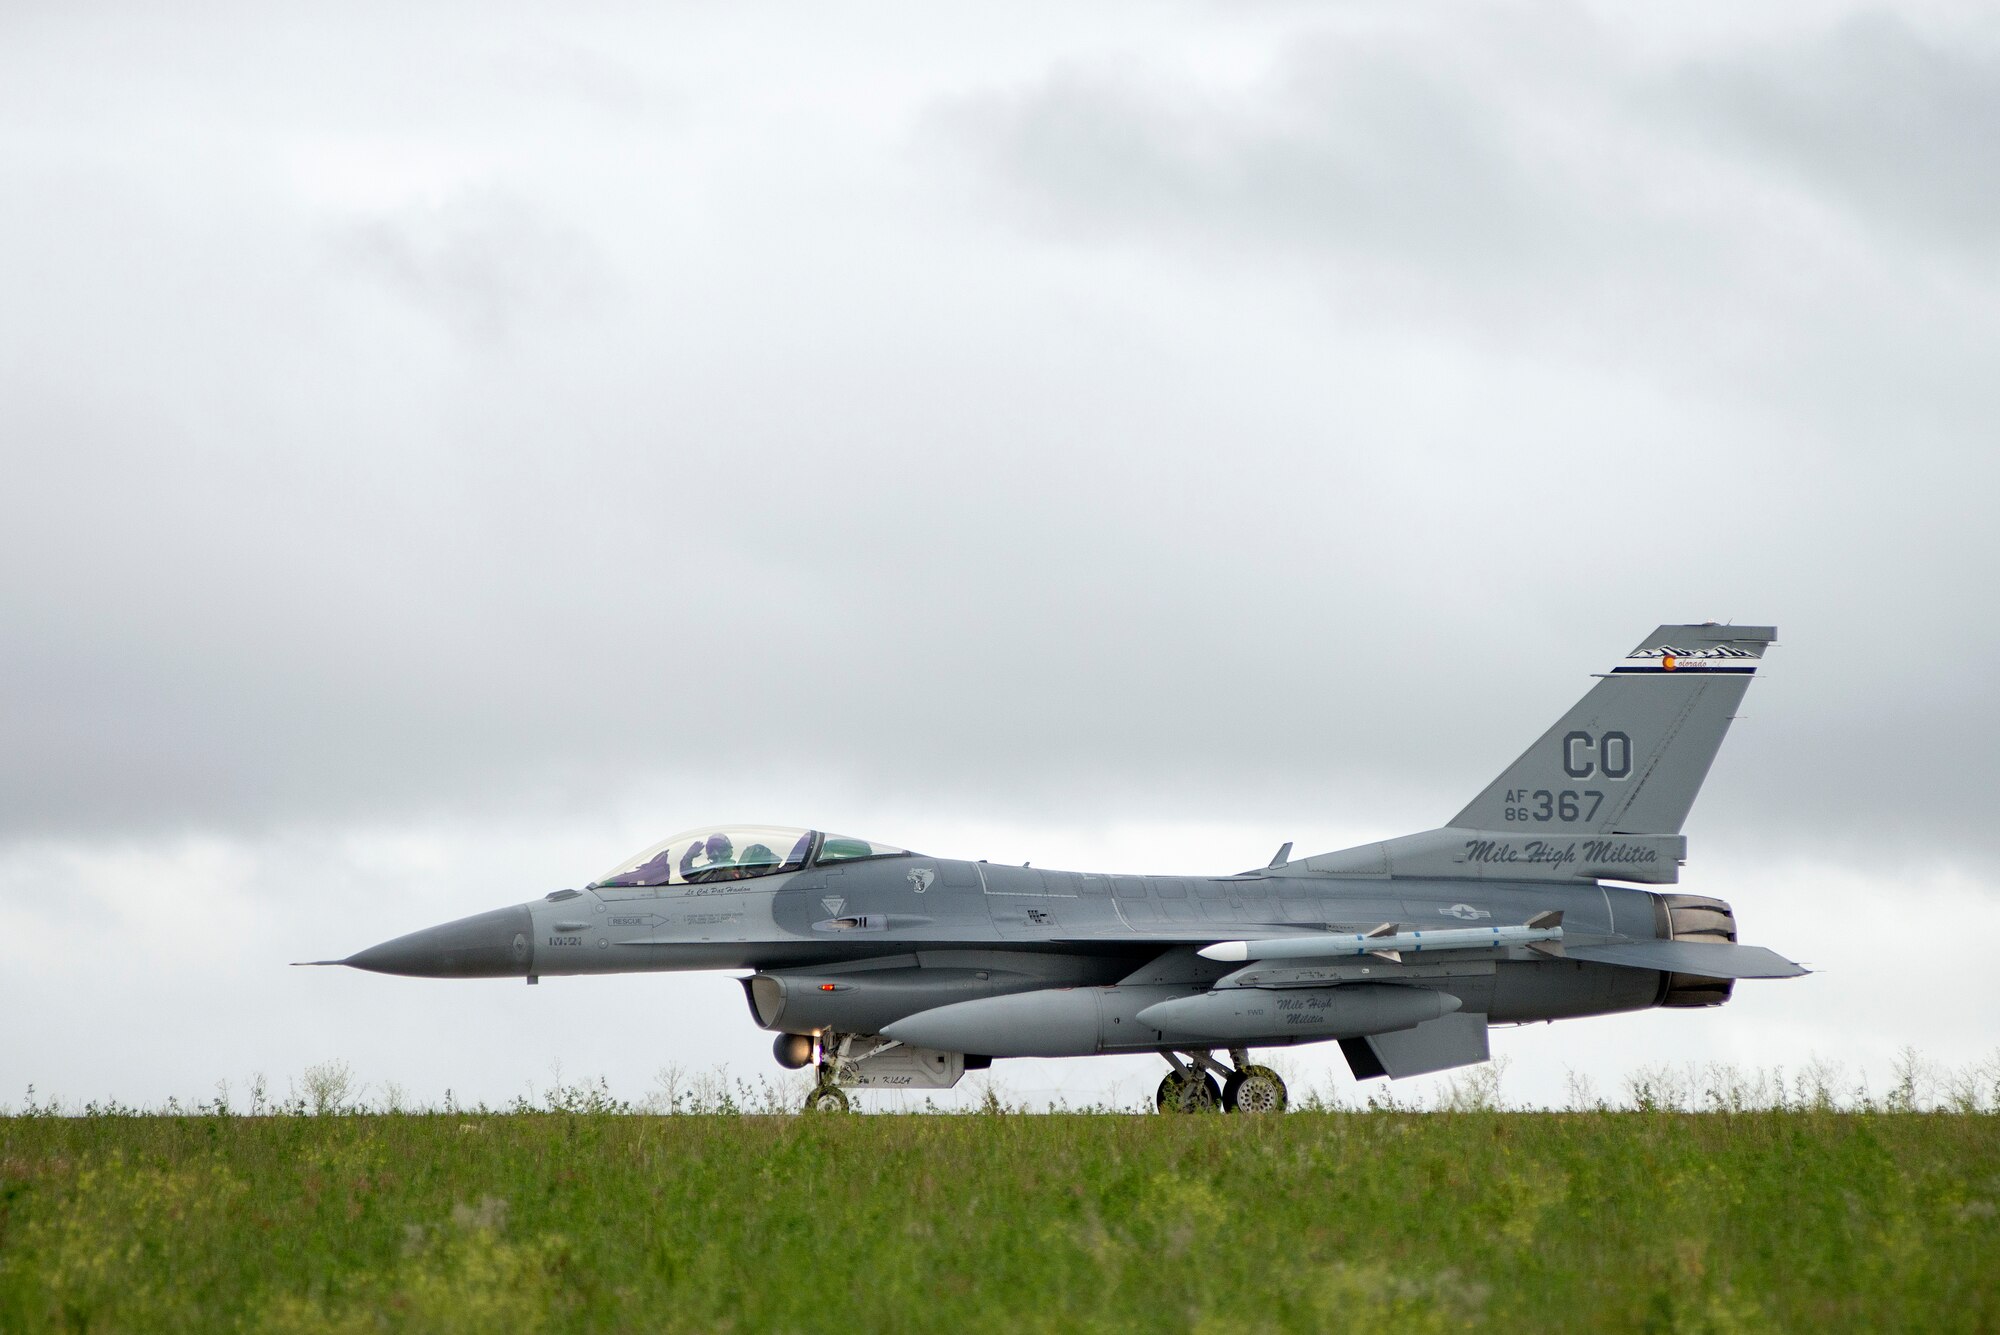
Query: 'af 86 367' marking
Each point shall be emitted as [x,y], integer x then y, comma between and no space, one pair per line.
[1542,805]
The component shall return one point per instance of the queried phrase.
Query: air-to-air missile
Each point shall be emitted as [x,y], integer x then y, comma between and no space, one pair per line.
[1385,942]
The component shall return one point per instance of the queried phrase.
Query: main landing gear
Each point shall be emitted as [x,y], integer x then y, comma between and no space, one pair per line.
[1191,1087]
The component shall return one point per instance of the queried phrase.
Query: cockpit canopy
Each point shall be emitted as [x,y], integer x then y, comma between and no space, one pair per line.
[736,853]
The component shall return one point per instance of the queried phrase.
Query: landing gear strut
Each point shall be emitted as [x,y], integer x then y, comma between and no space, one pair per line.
[826,1096]
[1190,1086]
[1187,1089]
[837,1060]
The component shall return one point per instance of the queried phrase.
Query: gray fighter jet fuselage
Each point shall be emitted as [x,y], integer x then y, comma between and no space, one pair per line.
[890,969]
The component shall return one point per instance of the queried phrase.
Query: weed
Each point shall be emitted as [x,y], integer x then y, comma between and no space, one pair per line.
[582,1214]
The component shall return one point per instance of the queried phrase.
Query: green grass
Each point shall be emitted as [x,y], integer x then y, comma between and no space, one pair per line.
[1365,1220]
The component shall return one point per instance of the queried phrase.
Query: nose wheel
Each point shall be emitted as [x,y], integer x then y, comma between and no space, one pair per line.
[1245,1088]
[826,1099]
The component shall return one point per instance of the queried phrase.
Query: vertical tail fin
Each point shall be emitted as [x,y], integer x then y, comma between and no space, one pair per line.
[1631,755]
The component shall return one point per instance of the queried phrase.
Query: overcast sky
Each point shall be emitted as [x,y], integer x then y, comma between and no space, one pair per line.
[446,450]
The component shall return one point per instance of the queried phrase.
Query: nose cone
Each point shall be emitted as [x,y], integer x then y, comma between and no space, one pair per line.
[499,944]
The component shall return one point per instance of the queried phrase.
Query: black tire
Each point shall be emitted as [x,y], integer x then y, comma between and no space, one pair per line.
[1178,1094]
[1256,1090]
[826,1099]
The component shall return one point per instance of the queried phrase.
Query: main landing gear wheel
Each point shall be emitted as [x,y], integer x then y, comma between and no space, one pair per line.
[826,1099]
[1192,1092]
[1254,1089]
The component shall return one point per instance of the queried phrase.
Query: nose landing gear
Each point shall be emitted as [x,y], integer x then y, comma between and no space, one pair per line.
[827,1096]
[1191,1087]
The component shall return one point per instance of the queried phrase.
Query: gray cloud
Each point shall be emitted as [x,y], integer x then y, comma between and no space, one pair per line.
[482,264]
[1889,122]
[1006,436]
[1365,147]
[442,452]
[1554,180]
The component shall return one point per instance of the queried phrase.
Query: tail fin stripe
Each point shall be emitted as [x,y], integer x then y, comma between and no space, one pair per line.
[1707,669]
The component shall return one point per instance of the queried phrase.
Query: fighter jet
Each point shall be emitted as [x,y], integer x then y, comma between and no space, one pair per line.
[883,968]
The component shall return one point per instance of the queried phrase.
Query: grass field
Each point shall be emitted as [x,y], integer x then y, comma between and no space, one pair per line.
[1655,1220]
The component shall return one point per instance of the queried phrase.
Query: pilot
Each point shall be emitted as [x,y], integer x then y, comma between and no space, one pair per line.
[757,860]
[720,854]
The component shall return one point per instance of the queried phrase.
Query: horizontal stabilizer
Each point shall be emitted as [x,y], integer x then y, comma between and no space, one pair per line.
[1709,959]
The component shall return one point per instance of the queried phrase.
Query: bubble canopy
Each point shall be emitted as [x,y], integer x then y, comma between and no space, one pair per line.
[736,853]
